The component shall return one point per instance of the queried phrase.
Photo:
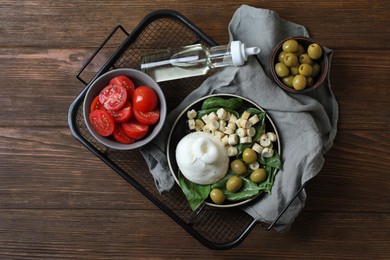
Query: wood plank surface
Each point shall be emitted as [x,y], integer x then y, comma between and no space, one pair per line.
[100,233]
[58,200]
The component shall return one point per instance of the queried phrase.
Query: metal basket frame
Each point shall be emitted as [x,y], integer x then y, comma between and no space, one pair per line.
[215,228]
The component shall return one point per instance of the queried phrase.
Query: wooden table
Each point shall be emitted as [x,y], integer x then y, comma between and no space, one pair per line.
[58,200]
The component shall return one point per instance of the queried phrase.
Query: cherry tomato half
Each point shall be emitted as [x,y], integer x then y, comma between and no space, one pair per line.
[102,122]
[145,99]
[123,114]
[96,105]
[113,97]
[135,129]
[120,135]
[126,83]
[148,118]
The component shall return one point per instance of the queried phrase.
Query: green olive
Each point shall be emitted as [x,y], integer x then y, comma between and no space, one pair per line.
[281,56]
[238,167]
[290,45]
[288,81]
[309,82]
[314,51]
[290,59]
[300,50]
[258,175]
[281,70]
[299,82]
[305,70]
[294,70]
[249,155]
[316,69]
[304,58]
[234,184]
[217,196]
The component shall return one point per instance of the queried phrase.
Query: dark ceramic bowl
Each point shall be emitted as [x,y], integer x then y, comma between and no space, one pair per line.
[139,78]
[305,42]
[180,129]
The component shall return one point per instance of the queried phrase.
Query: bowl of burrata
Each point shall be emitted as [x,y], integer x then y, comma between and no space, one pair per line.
[124,109]
[223,151]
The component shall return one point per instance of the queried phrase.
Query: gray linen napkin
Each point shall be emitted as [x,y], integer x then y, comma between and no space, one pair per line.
[307,124]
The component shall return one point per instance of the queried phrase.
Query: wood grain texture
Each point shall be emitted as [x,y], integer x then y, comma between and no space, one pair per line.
[98,234]
[58,200]
[49,76]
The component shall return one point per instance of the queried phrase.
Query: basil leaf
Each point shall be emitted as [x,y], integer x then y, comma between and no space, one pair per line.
[221,184]
[274,161]
[266,185]
[196,194]
[218,102]
[249,190]
[256,111]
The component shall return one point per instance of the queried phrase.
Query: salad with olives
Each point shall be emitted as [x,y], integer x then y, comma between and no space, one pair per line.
[253,152]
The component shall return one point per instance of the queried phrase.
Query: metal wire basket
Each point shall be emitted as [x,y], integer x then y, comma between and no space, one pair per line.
[215,228]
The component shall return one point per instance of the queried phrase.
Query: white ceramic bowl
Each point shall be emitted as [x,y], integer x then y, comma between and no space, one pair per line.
[139,78]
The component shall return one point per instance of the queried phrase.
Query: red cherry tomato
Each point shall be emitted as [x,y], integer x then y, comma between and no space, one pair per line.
[126,83]
[113,97]
[96,105]
[120,135]
[145,99]
[135,129]
[148,118]
[102,122]
[123,114]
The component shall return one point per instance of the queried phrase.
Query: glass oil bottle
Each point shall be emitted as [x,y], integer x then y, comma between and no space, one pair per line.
[194,60]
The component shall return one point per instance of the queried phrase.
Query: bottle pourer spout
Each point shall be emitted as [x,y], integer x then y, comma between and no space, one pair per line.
[240,53]
[252,51]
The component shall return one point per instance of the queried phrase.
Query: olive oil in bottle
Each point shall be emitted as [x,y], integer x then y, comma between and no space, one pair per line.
[194,60]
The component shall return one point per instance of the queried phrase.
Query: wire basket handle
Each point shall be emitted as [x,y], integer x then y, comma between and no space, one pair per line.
[108,37]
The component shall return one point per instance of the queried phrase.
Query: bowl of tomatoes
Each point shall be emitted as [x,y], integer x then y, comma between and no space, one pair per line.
[124,109]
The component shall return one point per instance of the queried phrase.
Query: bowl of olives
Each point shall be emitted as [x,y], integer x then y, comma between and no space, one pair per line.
[299,64]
